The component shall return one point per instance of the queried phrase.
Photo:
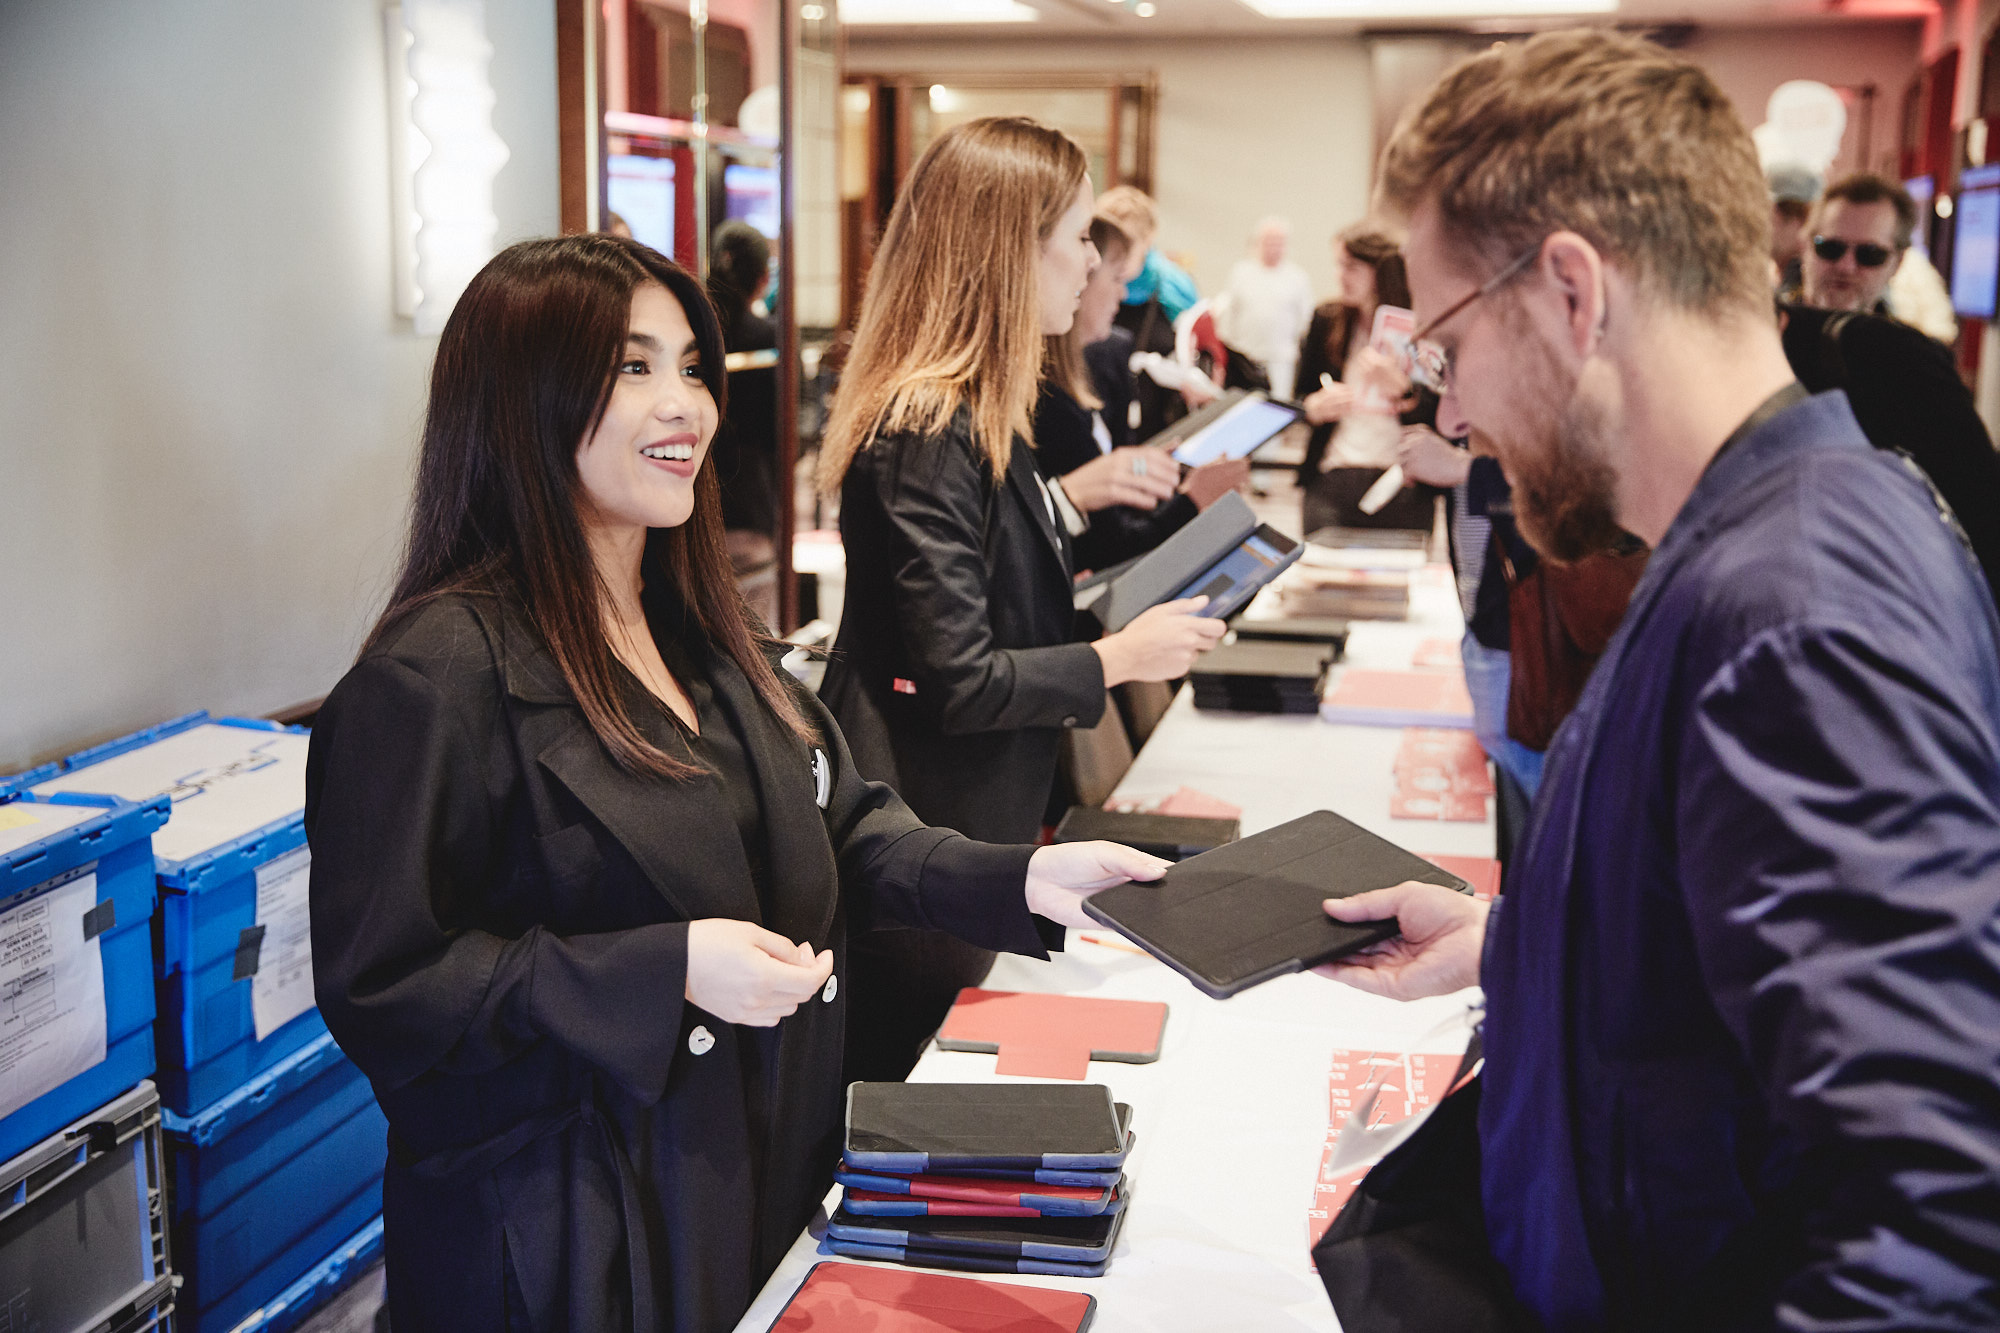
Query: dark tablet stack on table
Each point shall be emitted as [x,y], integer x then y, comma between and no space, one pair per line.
[1171,837]
[1330,631]
[1262,676]
[982,1177]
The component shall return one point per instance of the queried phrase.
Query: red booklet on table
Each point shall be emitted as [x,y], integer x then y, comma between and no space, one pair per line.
[904,1300]
[1052,1036]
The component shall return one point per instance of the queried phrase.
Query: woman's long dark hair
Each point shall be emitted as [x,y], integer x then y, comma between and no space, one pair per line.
[524,372]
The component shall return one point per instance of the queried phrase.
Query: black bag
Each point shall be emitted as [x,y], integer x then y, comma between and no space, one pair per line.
[1408,1254]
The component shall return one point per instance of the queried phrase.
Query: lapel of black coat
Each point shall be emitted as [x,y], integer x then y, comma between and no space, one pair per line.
[1022,474]
[681,833]
[801,880]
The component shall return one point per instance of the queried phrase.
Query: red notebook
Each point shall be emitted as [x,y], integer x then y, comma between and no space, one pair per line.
[1399,699]
[908,1300]
[1052,1036]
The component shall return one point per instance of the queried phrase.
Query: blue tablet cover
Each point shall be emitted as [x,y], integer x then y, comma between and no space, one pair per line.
[1064,1240]
[963,1263]
[1041,1175]
[938,1127]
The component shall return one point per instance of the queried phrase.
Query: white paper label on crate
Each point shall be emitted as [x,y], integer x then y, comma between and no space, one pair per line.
[282,988]
[51,992]
[224,781]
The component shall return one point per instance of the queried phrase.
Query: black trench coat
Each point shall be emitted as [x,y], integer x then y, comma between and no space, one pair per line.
[500,943]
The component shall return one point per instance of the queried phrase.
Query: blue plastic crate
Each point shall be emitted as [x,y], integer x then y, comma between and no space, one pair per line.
[238,791]
[317,1289]
[83,1240]
[269,1181]
[47,849]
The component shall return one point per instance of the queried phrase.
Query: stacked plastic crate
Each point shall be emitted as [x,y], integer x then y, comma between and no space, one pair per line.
[83,1244]
[274,1143]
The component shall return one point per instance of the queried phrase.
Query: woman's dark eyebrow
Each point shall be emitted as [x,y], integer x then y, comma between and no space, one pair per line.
[655,346]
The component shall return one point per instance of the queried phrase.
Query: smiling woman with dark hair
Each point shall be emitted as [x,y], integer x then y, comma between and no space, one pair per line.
[584,861]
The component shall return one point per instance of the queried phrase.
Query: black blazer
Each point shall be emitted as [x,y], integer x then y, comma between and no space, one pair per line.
[1906,393]
[1064,442]
[954,673]
[500,943]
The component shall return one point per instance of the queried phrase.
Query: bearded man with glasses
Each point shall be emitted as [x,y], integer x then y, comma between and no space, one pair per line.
[1743,990]
[1860,230]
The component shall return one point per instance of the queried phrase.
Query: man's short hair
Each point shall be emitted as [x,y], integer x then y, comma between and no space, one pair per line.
[1866,187]
[1132,209]
[1602,134]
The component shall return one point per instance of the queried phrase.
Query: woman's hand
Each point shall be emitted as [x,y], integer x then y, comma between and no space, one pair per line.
[1134,475]
[1427,457]
[1380,382]
[743,973]
[1161,643]
[1063,874]
[1198,390]
[1329,402]
[1211,481]
[1443,934]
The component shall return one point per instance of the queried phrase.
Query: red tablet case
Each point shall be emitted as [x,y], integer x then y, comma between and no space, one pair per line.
[987,1193]
[1052,1036]
[906,1300]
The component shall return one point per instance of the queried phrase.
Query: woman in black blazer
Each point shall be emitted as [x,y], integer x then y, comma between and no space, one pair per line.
[584,860]
[956,670]
[1082,433]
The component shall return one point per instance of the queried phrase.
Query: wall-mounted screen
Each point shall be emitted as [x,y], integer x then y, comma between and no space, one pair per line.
[641,190]
[1975,249]
[1923,189]
[751,194]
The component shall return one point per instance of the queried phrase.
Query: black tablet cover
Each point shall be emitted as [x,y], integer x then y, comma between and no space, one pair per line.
[1065,1239]
[1174,837]
[1250,911]
[1155,576]
[936,1126]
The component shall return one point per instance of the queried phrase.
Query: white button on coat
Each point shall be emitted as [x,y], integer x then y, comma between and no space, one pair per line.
[830,989]
[701,1041]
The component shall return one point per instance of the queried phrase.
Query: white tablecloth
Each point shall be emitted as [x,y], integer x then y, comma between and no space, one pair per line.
[1232,1119]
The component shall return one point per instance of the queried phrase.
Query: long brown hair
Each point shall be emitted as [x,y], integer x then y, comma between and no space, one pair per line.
[1062,353]
[952,315]
[523,374]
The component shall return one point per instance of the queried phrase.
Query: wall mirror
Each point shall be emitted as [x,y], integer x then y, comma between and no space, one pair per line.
[708,130]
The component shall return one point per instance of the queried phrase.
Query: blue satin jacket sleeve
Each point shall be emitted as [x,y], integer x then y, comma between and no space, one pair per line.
[1839,819]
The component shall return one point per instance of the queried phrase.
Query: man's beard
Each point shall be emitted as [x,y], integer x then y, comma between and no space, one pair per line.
[1556,456]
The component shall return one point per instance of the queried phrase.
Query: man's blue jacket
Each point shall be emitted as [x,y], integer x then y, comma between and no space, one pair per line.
[1743,1028]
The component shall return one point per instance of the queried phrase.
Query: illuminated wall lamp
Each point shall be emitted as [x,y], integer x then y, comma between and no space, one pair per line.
[443,153]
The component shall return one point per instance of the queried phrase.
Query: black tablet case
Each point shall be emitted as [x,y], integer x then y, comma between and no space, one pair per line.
[1174,837]
[1328,630]
[1243,914]
[1261,676]
[962,1263]
[1069,1240]
[905,1127]
[1168,567]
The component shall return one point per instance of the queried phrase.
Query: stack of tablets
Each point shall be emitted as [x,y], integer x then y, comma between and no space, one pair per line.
[983,1177]
[1260,676]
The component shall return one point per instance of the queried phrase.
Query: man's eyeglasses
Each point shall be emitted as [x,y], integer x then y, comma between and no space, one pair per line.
[1866,253]
[1430,364]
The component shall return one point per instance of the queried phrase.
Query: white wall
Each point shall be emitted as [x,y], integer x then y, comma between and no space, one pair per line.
[208,411]
[1248,127]
[1750,63]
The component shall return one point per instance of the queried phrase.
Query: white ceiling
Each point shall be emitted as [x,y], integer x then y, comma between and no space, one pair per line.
[1115,18]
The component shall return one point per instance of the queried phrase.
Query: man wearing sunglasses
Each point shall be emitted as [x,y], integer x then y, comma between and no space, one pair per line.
[1859,232]
[1743,990]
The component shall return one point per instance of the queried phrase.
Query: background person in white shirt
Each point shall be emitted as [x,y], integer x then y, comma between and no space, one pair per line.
[1269,302]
